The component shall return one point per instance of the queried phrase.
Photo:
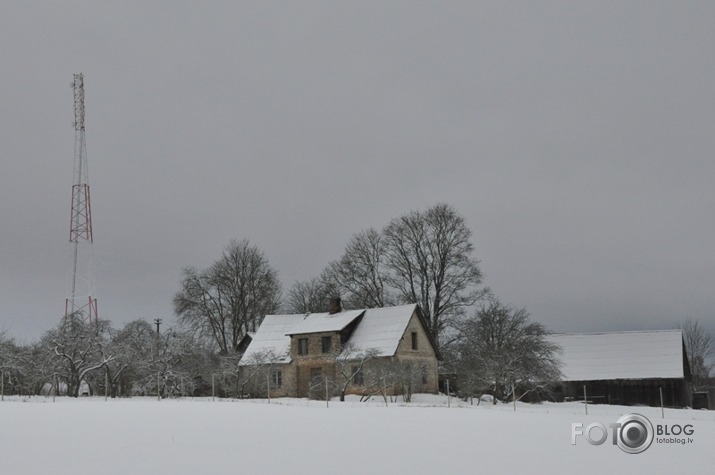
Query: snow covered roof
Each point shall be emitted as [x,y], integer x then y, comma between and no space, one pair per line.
[381,329]
[325,322]
[622,355]
[271,337]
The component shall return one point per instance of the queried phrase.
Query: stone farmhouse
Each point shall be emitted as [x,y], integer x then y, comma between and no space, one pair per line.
[371,351]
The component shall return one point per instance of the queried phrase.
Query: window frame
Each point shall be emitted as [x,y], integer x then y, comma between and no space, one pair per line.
[316,374]
[358,376]
[277,378]
[303,346]
[326,348]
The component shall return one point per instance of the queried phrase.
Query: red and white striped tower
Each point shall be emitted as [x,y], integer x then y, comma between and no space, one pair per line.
[80,285]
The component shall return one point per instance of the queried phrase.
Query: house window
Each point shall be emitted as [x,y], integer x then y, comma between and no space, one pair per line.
[359,378]
[414,340]
[326,342]
[423,370]
[316,375]
[277,378]
[302,346]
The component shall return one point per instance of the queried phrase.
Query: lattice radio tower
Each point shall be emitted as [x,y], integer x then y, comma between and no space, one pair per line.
[80,285]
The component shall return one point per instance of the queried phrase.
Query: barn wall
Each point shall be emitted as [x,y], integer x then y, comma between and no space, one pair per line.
[629,392]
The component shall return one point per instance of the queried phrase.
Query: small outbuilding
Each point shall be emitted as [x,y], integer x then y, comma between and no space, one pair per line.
[629,368]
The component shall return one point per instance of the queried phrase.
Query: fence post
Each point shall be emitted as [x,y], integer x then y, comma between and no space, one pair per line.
[327,394]
[213,388]
[106,385]
[158,388]
[268,385]
[585,399]
[513,395]
[449,399]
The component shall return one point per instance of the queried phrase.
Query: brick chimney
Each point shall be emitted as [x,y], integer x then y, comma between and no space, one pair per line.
[335,306]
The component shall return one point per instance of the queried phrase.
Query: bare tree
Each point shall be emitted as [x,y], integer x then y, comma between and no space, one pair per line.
[168,364]
[699,346]
[420,257]
[27,368]
[350,366]
[360,276]
[10,365]
[430,260]
[7,353]
[78,349]
[253,373]
[309,296]
[502,349]
[230,298]
[133,346]
[409,377]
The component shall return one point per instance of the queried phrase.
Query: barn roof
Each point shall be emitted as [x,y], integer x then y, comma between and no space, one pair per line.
[271,339]
[621,355]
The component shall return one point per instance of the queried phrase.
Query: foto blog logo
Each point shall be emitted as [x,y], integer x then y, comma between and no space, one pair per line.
[632,433]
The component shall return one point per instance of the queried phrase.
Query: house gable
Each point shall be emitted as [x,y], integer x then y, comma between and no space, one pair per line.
[383,329]
[416,340]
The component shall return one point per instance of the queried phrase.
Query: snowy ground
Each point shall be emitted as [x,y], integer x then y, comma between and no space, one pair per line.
[290,436]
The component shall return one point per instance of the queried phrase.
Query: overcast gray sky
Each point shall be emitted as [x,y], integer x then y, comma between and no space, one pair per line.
[575,138]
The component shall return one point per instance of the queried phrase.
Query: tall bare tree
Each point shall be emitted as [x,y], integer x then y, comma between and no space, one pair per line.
[360,276]
[231,297]
[502,349]
[309,296]
[430,260]
[699,346]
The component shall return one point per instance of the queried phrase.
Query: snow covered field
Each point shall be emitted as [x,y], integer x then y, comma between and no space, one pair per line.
[289,436]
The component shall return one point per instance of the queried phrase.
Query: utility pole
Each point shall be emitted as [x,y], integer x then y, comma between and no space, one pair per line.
[157,322]
[80,285]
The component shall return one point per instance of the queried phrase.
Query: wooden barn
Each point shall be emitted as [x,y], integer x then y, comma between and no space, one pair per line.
[629,368]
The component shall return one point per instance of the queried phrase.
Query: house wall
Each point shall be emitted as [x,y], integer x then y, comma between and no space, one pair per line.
[256,386]
[417,360]
[424,355]
[303,364]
